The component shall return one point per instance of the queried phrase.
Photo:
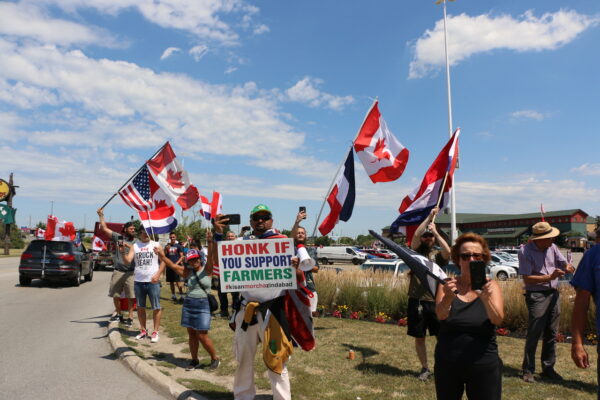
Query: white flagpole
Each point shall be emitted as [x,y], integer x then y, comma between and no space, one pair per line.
[453,231]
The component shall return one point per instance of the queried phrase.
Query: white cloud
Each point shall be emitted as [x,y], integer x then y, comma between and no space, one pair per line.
[528,114]
[132,107]
[260,29]
[588,169]
[230,70]
[26,20]
[520,196]
[168,52]
[306,91]
[202,18]
[468,35]
[198,51]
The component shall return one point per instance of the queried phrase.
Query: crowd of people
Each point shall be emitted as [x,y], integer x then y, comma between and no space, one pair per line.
[461,316]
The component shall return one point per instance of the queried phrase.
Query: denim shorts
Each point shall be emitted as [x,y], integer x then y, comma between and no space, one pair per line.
[195,313]
[152,290]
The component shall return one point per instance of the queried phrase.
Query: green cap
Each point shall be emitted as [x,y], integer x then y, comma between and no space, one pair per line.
[259,208]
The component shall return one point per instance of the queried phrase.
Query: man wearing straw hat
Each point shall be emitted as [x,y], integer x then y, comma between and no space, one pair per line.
[542,264]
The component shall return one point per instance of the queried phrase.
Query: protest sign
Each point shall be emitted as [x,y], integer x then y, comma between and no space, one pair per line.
[247,265]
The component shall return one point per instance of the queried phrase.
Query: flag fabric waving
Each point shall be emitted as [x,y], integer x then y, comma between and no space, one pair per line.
[205,210]
[40,233]
[59,230]
[137,194]
[382,155]
[216,205]
[98,244]
[341,197]
[426,271]
[172,178]
[161,219]
[542,211]
[416,206]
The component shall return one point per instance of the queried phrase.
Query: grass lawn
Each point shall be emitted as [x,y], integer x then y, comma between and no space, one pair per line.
[385,367]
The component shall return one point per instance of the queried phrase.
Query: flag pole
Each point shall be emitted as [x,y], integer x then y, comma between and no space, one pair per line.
[150,222]
[328,191]
[132,176]
[437,205]
[453,231]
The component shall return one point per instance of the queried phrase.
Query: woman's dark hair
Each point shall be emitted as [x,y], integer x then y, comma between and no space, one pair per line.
[470,237]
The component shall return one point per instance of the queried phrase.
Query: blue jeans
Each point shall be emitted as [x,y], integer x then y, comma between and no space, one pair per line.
[152,290]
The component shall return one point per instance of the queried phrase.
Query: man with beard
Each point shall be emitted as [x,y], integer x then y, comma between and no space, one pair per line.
[121,280]
[421,305]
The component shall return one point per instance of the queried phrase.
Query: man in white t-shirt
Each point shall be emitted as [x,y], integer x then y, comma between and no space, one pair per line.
[148,269]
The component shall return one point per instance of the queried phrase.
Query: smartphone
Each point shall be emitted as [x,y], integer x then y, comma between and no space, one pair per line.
[120,240]
[478,278]
[302,209]
[234,219]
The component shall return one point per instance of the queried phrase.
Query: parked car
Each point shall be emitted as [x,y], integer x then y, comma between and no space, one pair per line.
[377,253]
[391,253]
[329,254]
[398,267]
[502,272]
[498,259]
[63,261]
[507,256]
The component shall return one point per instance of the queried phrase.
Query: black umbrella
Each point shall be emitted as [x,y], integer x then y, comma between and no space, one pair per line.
[421,266]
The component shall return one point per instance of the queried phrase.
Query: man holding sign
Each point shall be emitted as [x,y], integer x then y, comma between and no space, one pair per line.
[265,272]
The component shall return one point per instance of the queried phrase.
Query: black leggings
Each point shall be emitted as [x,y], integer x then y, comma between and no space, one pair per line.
[482,382]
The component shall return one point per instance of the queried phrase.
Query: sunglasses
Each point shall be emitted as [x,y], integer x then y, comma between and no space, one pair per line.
[261,217]
[468,256]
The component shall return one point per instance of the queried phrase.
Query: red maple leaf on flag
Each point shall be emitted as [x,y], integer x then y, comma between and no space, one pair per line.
[160,204]
[174,178]
[381,151]
[68,230]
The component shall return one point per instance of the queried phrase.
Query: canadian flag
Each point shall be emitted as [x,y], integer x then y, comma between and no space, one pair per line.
[59,230]
[382,155]
[98,244]
[172,178]
[40,233]
[216,206]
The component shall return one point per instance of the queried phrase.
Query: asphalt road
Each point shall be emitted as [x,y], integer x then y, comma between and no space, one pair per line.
[53,342]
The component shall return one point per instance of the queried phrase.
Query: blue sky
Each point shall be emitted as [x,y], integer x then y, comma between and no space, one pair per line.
[262,100]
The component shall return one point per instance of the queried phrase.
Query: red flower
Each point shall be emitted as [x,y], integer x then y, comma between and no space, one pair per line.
[354,315]
[337,314]
[402,322]
[502,331]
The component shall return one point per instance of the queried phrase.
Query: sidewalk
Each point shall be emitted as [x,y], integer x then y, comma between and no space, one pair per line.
[164,363]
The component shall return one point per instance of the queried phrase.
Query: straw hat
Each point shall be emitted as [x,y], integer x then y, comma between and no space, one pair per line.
[543,230]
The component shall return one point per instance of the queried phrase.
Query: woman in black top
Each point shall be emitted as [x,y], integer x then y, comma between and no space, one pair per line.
[466,355]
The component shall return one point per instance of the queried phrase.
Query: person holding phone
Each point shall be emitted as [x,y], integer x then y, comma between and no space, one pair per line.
[466,354]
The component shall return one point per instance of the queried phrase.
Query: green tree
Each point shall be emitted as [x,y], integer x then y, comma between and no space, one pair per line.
[365,240]
[346,240]
[323,241]
[16,241]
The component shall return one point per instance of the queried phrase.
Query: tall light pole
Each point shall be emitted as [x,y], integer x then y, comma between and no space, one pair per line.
[453,231]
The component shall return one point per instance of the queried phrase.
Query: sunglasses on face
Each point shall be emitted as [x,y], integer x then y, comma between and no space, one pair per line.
[261,217]
[468,256]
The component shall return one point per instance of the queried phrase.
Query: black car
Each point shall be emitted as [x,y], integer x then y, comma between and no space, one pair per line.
[55,260]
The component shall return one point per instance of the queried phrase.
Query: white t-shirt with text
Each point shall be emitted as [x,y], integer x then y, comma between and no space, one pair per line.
[146,261]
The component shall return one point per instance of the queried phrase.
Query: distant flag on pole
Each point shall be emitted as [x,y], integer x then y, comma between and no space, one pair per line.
[341,197]
[98,244]
[416,206]
[216,205]
[172,178]
[542,211]
[205,209]
[40,233]
[382,155]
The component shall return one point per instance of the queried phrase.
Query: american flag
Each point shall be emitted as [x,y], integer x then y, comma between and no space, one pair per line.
[137,194]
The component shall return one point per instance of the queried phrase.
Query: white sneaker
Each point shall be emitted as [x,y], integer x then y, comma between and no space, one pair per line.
[154,337]
[143,334]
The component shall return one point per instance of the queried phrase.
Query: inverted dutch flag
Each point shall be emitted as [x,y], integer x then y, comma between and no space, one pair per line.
[172,178]
[382,155]
[161,218]
[216,205]
[341,197]
[416,206]
[205,210]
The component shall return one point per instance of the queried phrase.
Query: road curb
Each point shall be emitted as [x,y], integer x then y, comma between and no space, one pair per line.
[145,371]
